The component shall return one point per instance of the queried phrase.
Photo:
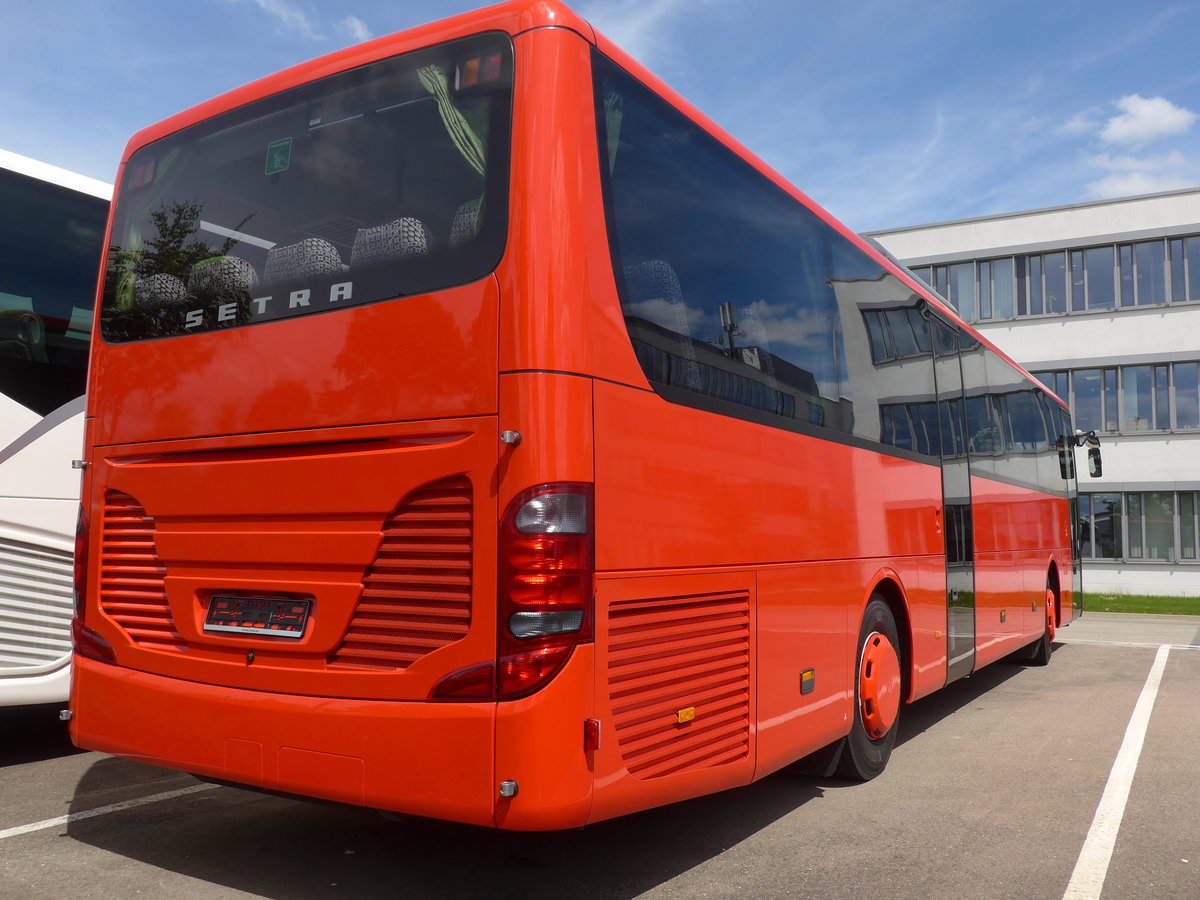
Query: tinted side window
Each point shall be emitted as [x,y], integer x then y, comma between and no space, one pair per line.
[50,243]
[735,294]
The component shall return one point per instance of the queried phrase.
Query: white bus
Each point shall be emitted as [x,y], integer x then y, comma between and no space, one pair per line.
[51,241]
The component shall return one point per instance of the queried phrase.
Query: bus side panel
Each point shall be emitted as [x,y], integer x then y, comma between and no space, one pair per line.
[674,688]
[431,759]
[1015,535]
[1062,558]
[926,597]
[804,624]
[679,487]
[808,619]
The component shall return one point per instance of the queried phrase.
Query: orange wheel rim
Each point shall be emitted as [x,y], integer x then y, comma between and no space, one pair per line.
[1050,627]
[879,685]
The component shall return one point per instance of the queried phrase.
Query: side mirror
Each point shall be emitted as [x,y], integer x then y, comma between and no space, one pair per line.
[1095,466]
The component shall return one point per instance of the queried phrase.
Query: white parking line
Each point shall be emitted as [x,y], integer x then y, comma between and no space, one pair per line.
[1092,866]
[102,811]
[1131,644]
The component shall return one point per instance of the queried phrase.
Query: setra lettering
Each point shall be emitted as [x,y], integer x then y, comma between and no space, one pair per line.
[261,306]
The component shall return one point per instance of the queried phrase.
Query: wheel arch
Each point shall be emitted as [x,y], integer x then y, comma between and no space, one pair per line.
[887,585]
[1053,584]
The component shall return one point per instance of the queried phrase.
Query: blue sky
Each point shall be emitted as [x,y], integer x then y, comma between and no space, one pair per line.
[887,113]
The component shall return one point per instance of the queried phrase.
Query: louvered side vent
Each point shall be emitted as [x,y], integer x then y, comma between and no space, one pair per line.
[671,659]
[417,593]
[35,606]
[131,576]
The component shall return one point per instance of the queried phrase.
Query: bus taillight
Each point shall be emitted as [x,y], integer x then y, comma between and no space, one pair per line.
[81,559]
[547,581]
[85,641]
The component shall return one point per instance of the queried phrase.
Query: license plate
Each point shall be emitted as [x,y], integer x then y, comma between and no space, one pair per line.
[267,616]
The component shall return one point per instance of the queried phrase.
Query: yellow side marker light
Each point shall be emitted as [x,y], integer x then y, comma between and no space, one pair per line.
[685,715]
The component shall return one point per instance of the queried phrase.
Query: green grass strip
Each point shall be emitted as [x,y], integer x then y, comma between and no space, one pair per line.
[1129,603]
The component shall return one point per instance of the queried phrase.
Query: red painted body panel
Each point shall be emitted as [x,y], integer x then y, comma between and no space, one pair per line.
[231,515]
[663,691]
[417,358]
[1019,537]
[765,496]
[275,741]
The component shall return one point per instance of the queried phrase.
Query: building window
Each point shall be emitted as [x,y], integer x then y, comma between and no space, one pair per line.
[1152,525]
[997,295]
[1162,397]
[1100,525]
[1147,398]
[1143,273]
[1187,397]
[1157,526]
[1177,265]
[961,284]
[1098,263]
[1150,267]
[1116,276]
[1188,529]
[1095,399]
[1191,254]
[1059,382]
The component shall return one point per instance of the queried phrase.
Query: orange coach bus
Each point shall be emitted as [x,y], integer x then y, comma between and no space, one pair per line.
[477,431]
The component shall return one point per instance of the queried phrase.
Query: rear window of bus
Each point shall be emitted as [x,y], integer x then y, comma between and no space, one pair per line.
[384,181]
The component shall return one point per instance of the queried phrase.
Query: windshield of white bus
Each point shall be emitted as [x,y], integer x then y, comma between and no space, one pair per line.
[384,181]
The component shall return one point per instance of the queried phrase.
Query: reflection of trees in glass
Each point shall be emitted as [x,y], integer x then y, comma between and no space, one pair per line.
[173,251]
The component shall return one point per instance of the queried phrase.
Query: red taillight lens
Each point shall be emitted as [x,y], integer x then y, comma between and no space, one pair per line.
[85,641]
[547,582]
[81,559]
[473,683]
[523,673]
[88,643]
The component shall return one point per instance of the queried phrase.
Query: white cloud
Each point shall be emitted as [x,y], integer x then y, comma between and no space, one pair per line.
[636,26]
[675,316]
[1128,184]
[1141,175]
[1080,123]
[769,324]
[290,17]
[1167,161]
[1143,120]
[356,28]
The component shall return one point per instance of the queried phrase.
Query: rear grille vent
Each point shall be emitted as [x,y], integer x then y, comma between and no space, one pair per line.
[132,591]
[672,657]
[35,605]
[417,593]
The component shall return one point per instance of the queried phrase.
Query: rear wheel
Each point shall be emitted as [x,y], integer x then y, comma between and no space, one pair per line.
[877,695]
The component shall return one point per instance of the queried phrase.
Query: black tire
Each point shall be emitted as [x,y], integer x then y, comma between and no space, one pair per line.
[864,757]
[1039,651]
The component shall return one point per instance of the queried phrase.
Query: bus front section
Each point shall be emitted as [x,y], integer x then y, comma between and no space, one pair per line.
[295,515]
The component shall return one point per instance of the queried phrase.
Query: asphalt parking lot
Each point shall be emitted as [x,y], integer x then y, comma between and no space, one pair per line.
[1076,780]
